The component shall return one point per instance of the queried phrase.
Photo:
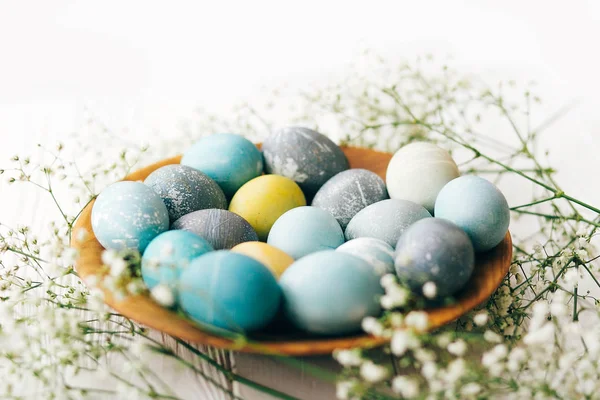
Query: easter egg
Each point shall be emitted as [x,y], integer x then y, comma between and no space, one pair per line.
[418,171]
[303,155]
[230,291]
[185,189]
[435,250]
[264,199]
[128,215]
[376,252]
[168,254]
[230,160]
[478,207]
[330,292]
[221,228]
[305,230]
[348,192]
[271,257]
[385,220]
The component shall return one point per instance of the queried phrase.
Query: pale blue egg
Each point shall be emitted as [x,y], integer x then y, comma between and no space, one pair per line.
[330,292]
[185,189]
[385,220]
[230,291]
[478,207]
[170,253]
[128,215]
[435,250]
[376,252]
[229,159]
[305,230]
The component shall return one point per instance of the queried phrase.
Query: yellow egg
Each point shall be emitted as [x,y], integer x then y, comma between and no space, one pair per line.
[273,258]
[264,199]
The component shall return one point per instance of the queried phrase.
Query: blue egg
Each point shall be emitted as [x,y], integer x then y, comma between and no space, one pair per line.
[230,160]
[478,207]
[305,230]
[230,291]
[170,253]
[385,220]
[185,189]
[435,250]
[128,215]
[377,253]
[330,292]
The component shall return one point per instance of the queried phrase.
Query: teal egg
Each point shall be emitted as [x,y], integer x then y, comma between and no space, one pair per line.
[478,207]
[330,292]
[435,250]
[230,291]
[170,253]
[128,215]
[376,252]
[229,159]
[305,230]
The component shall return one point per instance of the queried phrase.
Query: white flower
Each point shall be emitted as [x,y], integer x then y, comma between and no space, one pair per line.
[402,341]
[417,320]
[458,347]
[558,309]
[406,387]
[344,389]
[372,372]
[108,256]
[388,280]
[348,358]
[470,389]
[117,267]
[543,335]
[429,370]
[372,325]
[481,318]
[456,370]
[492,337]
[429,290]
[163,295]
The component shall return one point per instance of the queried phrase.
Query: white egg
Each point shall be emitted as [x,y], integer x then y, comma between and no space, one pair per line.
[418,171]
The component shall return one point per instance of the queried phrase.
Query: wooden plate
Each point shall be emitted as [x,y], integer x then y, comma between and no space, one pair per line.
[491,268]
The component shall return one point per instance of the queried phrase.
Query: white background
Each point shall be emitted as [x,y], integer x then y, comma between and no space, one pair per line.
[142,66]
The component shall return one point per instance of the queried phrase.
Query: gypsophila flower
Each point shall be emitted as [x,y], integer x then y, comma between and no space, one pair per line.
[405,386]
[492,337]
[417,320]
[430,290]
[458,348]
[163,295]
[481,318]
[372,372]
[403,340]
[344,390]
[349,358]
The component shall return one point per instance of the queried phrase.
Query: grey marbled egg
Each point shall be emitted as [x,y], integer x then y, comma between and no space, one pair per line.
[185,189]
[385,220]
[435,250]
[303,155]
[348,192]
[221,228]
[377,253]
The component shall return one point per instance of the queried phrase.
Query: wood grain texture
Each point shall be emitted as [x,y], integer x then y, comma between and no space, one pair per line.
[491,268]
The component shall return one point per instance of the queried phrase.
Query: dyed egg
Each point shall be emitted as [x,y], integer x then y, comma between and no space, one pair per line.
[230,160]
[221,228]
[128,215]
[377,253]
[330,292]
[418,171]
[435,250]
[185,189]
[230,291]
[348,192]
[305,230]
[303,155]
[478,207]
[170,253]
[264,199]
[385,220]
[271,257]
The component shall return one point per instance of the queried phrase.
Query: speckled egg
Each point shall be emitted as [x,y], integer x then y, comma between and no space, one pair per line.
[478,207]
[377,253]
[305,230]
[271,257]
[264,199]
[170,253]
[385,220]
[418,171]
[221,228]
[230,291]
[330,292]
[128,215]
[185,189]
[230,160]
[435,250]
[348,192]
[303,155]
